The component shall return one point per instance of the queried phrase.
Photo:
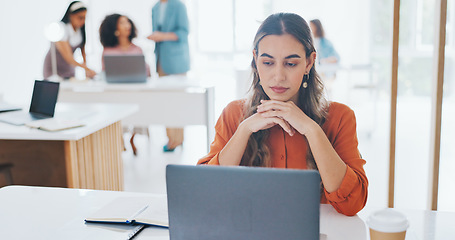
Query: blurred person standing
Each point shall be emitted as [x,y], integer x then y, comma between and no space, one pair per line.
[326,53]
[170,34]
[327,57]
[73,23]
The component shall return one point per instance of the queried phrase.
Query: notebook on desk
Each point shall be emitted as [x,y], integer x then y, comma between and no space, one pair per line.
[125,68]
[214,202]
[133,210]
[6,107]
[44,99]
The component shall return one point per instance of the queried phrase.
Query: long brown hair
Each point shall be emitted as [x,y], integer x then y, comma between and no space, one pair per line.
[319,30]
[69,11]
[311,99]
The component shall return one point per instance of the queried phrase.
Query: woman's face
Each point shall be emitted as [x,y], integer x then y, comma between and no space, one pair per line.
[77,20]
[123,27]
[281,65]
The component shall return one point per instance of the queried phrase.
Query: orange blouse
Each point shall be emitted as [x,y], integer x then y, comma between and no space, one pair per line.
[290,152]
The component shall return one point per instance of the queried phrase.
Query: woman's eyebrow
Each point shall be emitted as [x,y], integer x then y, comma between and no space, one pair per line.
[292,56]
[288,57]
[266,55]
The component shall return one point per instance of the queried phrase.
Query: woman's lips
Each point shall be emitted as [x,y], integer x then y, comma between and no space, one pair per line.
[279,89]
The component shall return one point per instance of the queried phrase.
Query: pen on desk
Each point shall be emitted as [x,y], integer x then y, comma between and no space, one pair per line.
[135,231]
[131,219]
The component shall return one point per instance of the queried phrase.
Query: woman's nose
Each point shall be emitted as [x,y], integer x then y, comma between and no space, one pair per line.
[279,73]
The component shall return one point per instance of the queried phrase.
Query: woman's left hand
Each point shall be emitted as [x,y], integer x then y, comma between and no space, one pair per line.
[163,36]
[289,112]
[156,36]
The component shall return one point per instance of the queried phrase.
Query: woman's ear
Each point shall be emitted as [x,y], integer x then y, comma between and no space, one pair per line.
[310,61]
[254,54]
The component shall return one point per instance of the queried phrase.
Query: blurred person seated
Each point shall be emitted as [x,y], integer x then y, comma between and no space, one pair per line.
[116,35]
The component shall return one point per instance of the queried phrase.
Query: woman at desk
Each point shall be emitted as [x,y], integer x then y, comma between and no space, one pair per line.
[116,35]
[287,123]
[170,33]
[73,23]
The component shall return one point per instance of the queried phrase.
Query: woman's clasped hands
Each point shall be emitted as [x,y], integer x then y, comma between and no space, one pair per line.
[286,114]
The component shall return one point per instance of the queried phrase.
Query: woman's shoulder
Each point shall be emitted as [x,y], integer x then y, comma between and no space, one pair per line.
[235,107]
[234,110]
[65,29]
[231,116]
[175,2]
[336,107]
[325,41]
[135,48]
[176,5]
[339,117]
[117,50]
[339,110]
[66,26]
[111,50]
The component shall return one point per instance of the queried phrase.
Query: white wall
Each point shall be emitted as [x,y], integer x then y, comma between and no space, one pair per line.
[346,24]
[23,45]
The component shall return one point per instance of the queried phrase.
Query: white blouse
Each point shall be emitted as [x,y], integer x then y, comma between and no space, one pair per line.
[73,37]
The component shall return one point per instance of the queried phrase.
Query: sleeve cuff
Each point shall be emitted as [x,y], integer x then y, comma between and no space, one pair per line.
[350,180]
[214,160]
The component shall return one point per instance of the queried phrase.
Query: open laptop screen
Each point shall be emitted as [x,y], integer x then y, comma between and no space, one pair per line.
[44,97]
[125,68]
[214,202]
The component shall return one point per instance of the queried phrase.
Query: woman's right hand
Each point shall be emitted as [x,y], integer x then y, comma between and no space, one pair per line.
[257,122]
[232,152]
[89,73]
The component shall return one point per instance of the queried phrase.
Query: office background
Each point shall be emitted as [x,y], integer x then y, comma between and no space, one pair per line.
[220,46]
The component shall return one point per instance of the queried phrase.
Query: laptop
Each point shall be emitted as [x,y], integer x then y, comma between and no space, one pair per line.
[125,68]
[223,203]
[42,106]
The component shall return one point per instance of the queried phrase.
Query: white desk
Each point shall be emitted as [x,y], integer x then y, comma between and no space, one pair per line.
[83,157]
[173,101]
[59,213]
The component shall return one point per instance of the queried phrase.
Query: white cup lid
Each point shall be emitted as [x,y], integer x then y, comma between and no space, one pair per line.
[388,220]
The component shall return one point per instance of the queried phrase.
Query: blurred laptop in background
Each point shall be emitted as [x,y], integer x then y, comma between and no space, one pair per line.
[44,99]
[125,68]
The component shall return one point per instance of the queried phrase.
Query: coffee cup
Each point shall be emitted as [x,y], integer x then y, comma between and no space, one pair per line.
[387,224]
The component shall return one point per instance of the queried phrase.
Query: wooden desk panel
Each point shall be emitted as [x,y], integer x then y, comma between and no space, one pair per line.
[86,157]
[93,162]
[36,163]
